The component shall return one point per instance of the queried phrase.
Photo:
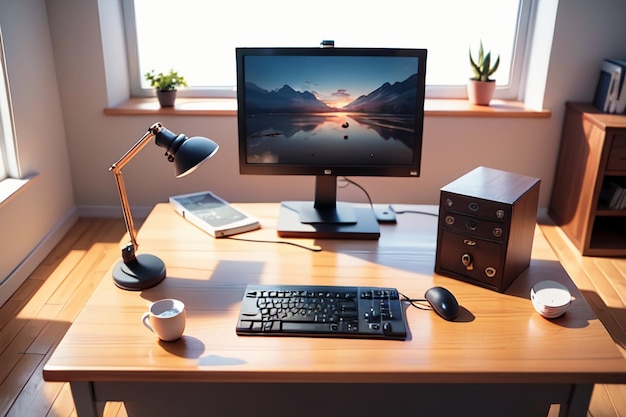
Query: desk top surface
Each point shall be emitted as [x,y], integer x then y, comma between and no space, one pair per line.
[497,338]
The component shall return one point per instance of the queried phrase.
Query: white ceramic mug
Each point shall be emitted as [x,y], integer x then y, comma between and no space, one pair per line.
[166,318]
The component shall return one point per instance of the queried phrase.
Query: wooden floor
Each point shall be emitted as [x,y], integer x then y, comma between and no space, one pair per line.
[37,316]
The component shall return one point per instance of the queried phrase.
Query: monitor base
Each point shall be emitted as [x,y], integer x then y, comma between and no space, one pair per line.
[342,213]
[290,225]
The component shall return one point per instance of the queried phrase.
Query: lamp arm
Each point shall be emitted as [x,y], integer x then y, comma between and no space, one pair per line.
[128,253]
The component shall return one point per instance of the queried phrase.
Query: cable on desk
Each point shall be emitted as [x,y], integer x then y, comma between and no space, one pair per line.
[318,249]
[283,242]
[415,302]
[369,199]
[412,211]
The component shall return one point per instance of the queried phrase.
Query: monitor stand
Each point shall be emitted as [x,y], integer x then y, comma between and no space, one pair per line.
[325,218]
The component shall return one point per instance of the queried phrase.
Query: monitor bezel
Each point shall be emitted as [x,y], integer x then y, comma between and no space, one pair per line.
[406,170]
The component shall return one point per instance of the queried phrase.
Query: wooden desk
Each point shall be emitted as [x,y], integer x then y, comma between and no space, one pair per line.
[499,357]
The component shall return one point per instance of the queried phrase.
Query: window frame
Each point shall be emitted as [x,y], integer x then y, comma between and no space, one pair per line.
[511,90]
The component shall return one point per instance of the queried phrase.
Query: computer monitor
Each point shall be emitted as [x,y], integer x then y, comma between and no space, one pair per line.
[329,112]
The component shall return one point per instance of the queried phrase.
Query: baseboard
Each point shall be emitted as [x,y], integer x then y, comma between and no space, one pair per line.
[16,278]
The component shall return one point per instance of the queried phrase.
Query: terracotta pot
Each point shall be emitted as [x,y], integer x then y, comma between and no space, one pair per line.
[166,98]
[480,92]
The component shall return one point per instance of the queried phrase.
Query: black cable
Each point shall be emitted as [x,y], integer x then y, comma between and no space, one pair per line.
[412,211]
[369,199]
[414,302]
[349,181]
[318,249]
[283,242]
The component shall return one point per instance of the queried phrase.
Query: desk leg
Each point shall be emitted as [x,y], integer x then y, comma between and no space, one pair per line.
[579,399]
[85,401]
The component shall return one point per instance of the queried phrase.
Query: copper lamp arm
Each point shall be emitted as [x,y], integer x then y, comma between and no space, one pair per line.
[128,253]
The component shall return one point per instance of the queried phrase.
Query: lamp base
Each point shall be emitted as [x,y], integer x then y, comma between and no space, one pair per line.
[144,272]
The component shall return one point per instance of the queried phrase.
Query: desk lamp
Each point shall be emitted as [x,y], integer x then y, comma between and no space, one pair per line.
[138,272]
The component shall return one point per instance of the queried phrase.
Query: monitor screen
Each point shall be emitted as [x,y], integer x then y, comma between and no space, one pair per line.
[330,112]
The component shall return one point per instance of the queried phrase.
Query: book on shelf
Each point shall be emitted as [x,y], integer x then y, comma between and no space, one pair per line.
[213,214]
[613,195]
[620,103]
[610,96]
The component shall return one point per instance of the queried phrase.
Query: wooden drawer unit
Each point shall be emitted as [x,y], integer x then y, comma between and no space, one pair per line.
[592,157]
[486,227]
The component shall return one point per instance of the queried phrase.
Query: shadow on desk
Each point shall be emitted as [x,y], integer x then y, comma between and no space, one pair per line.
[523,284]
[614,319]
[185,347]
[220,287]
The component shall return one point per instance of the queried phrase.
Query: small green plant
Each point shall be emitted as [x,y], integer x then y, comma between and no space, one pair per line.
[166,82]
[482,68]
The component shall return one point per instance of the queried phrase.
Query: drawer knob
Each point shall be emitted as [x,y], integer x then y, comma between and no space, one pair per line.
[466,260]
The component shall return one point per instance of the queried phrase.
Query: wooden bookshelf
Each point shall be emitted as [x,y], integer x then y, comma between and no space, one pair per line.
[592,154]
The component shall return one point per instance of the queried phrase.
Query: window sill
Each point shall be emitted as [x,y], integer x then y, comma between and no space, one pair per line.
[9,187]
[186,106]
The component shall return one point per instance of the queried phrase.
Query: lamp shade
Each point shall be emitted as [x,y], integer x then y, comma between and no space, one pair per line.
[186,153]
[193,152]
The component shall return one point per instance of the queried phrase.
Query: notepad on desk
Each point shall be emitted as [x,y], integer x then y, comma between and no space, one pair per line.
[213,214]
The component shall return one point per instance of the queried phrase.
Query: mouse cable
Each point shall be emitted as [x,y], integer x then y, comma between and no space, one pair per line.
[415,302]
[283,242]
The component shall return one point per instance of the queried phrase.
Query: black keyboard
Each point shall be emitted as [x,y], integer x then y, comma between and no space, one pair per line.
[326,311]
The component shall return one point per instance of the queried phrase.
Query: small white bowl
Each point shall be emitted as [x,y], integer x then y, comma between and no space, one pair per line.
[550,299]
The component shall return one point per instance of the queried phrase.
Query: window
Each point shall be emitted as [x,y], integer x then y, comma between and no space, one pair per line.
[8,159]
[198,38]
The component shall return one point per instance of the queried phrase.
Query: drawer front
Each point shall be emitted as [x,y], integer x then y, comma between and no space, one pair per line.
[473,206]
[474,226]
[471,258]
[617,154]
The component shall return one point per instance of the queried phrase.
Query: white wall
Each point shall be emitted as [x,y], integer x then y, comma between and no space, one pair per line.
[32,221]
[586,32]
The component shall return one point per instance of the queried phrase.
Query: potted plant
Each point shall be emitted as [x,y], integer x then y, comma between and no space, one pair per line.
[166,85]
[480,88]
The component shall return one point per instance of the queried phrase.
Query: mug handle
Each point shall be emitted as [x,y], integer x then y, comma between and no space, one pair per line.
[145,319]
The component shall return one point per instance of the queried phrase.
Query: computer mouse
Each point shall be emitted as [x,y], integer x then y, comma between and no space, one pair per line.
[443,302]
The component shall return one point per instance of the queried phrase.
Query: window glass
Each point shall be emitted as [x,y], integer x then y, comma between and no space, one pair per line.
[8,160]
[199,38]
